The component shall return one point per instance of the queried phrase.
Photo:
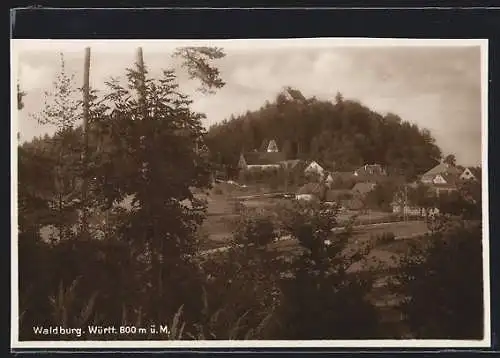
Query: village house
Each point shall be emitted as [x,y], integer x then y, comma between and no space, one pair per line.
[293,165]
[442,168]
[267,160]
[443,178]
[368,170]
[344,176]
[314,168]
[471,173]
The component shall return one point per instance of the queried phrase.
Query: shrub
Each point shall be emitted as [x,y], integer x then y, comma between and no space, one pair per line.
[321,300]
[256,227]
[443,286]
[385,238]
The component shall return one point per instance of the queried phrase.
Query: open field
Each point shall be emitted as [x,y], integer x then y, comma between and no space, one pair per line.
[216,230]
[362,236]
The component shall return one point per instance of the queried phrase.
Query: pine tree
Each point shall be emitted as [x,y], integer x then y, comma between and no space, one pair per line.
[154,160]
[62,110]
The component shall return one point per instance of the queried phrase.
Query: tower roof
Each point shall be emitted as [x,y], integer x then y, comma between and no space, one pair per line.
[272,146]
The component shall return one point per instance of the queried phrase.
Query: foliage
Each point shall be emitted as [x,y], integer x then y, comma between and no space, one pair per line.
[317,290]
[466,202]
[241,292]
[341,136]
[421,196]
[62,108]
[147,148]
[385,238]
[456,308]
[381,197]
[197,62]
[20,96]
[60,156]
[450,159]
[256,228]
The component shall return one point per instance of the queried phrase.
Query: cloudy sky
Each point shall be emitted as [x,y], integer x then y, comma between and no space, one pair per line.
[436,86]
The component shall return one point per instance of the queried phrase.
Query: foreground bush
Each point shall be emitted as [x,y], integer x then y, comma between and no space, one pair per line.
[442,285]
[321,299]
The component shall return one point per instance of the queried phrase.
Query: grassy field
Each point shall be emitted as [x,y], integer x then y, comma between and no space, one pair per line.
[216,231]
[364,235]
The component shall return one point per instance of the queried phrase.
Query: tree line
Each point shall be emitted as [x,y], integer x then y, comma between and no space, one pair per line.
[340,134]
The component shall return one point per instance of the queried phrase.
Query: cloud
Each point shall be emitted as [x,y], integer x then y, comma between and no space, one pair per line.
[33,78]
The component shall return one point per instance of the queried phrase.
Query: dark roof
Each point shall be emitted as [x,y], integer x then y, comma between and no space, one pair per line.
[342,175]
[440,169]
[312,188]
[450,178]
[363,188]
[370,169]
[263,158]
[293,163]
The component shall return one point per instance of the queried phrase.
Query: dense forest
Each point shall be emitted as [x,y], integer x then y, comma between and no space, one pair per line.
[340,134]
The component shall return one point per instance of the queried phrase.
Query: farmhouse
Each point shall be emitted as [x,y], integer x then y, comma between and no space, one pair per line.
[440,169]
[444,183]
[293,165]
[314,168]
[443,178]
[269,159]
[370,170]
[471,173]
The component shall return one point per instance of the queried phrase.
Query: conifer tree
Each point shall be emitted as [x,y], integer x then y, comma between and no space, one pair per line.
[62,110]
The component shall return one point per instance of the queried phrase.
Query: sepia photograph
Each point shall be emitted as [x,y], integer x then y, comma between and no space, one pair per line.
[319,192]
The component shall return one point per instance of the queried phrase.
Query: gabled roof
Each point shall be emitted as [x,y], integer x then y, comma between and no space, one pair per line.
[312,188]
[259,158]
[313,162]
[342,175]
[363,188]
[272,146]
[293,163]
[475,171]
[450,178]
[442,168]
[370,169]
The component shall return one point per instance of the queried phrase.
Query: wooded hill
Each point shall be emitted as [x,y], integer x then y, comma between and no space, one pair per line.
[340,134]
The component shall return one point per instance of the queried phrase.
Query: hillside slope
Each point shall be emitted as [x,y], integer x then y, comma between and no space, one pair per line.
[341,134]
